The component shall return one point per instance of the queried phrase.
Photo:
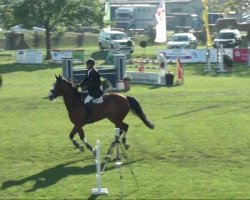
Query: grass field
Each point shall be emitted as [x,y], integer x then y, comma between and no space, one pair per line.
[199,148]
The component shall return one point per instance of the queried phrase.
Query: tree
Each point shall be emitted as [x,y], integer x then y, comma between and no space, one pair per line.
[52,14]
[6,16]
[213,6]
[234,5]
[143,45]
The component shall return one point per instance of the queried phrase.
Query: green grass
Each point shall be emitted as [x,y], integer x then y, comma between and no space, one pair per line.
[199,148]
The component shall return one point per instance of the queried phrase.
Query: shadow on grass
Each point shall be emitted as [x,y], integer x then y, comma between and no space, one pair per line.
[239,69]
[193,111]
[8,68]
[51,176]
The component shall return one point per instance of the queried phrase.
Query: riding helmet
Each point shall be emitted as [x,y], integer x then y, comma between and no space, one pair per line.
[90,61]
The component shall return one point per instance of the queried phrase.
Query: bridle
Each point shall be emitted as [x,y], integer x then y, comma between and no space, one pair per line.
[52,95]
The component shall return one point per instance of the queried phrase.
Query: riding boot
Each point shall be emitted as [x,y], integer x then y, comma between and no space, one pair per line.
[88,113]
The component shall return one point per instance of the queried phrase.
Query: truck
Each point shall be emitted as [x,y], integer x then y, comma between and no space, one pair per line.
[136,16]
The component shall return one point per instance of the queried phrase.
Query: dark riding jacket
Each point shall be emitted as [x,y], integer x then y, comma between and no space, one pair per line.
[93,83]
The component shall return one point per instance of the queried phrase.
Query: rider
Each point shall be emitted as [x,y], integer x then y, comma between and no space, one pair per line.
[92,81]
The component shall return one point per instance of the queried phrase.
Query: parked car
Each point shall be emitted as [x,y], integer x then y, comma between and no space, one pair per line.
[115,40]
[18,28]
[38,29]
[182,41]
[229,38]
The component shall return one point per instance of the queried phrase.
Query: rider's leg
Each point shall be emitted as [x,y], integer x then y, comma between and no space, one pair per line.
[83,95]
[88,99]
[88,108]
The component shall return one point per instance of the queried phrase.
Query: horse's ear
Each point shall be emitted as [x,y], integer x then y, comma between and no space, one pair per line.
[59,77]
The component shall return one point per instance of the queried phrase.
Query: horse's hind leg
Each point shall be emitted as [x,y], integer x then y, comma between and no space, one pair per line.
[123,133]
[84,140]
[123,129]
[75,143]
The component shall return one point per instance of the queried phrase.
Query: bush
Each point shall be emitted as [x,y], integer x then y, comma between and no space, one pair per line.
[14,41]
[56,40]
[80,40]
[106,86]
[36,40]
[143,44]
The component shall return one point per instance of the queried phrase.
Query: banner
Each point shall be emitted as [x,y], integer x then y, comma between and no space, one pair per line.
[161,28]
[205,19]
[29,56]
[76,54]
[189,55]
[152,78]
[240,55]
[199,55]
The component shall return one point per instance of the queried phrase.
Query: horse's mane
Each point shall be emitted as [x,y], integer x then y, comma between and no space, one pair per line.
[72,84]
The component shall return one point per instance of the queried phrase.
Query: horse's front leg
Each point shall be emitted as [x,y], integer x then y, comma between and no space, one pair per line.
[75,143]
[84,140]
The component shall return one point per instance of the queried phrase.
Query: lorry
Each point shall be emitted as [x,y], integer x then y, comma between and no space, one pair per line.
[136,16]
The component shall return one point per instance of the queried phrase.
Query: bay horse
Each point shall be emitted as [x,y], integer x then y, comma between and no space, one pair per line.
[114,107]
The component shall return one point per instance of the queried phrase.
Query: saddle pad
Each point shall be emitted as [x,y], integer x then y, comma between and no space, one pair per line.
[98,100]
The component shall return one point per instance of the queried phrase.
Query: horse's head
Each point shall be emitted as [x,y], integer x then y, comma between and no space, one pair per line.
[56,89]
[60,87]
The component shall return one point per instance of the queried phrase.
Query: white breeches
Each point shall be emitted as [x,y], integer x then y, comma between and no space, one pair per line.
[88,99]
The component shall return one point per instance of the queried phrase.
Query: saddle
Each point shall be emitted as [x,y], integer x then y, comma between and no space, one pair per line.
[95,101]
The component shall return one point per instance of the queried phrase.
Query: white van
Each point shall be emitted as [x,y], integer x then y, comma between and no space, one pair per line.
[229,38]
[182,41]
[116,40]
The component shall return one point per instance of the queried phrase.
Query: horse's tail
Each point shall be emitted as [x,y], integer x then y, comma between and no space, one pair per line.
[137,110]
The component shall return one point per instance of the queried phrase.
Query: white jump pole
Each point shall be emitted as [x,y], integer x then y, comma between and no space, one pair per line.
[208,60]
[221,61]
[99,190]
[163,68]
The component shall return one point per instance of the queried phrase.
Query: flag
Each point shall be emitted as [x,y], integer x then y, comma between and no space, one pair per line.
[161,30]
[106,18]
[180,75]
[205,19]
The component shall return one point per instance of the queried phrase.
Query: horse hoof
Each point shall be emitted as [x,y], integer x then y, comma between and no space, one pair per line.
[81,148]
[107,157]
[126,146]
